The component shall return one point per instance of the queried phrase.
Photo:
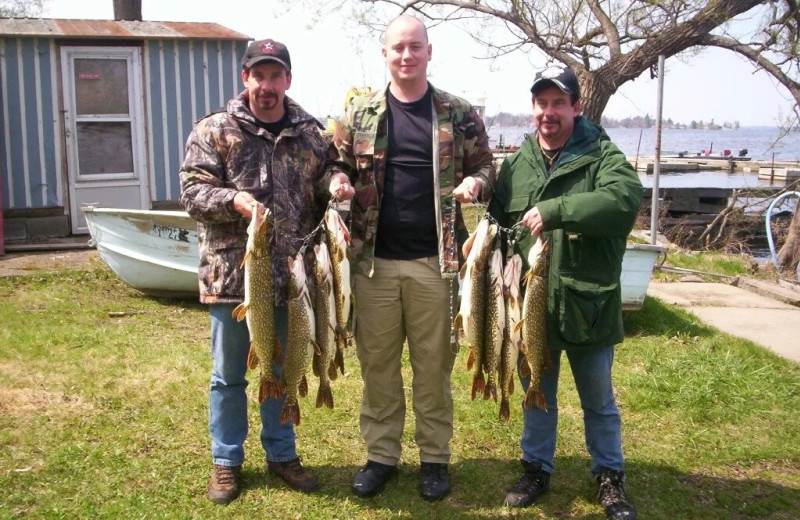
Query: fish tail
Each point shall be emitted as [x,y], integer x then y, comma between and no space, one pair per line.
[302,388]
[505,410]
[252,358]
[290,412]
[324,396]
[478,383]
[535,398]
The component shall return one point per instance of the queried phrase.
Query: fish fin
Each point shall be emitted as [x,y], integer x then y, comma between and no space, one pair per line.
[252,358]
[315,368]
[462,273]
[317,350]
[548,361]
[240,311]
[478,383]
[467,247]
[325,396]
[262,391]
[505,410]
[302,388]
[290,412]
[332,373]
[511,385]
[490,390]
[458,323]
[271,389]
[518,325]
[525,370]
[470,359]
[339,359]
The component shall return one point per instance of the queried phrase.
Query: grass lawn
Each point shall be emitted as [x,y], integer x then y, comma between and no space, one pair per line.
[103,414]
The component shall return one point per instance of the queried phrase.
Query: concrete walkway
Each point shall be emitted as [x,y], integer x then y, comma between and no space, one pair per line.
[768,321]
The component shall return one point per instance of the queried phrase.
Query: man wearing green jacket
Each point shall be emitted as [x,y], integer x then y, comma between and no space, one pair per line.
[571,184]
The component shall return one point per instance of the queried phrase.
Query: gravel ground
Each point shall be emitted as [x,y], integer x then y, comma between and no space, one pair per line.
[19,264]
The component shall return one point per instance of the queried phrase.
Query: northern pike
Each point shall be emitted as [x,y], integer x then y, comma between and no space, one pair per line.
[258,303]
[300,340]
[513,338]
[534,323]
[471,316]
[338,238]
[325,321]
[495,325]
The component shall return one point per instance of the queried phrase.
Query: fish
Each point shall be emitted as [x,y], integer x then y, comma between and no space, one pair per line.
[495,325]
[509,354]
[470,319]
[325,324]
[257,306]
[534,323]
[338,238]
[300,343]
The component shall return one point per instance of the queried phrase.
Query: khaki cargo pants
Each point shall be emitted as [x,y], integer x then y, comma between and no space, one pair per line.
[405,299]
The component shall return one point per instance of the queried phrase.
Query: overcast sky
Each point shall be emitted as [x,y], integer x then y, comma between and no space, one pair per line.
[326,61]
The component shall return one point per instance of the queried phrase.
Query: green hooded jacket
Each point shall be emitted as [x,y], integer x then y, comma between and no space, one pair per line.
[461,145]
[588,204]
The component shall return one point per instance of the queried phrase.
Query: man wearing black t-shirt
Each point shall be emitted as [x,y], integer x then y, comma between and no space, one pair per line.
[413,153]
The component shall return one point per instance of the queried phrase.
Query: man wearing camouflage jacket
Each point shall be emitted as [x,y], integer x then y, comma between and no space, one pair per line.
[263,148]
[413,152]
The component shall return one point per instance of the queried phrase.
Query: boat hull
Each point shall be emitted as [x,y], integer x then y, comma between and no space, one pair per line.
[637,269]
[152,251]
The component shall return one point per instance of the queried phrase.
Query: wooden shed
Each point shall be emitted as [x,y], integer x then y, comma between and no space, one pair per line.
[98,112]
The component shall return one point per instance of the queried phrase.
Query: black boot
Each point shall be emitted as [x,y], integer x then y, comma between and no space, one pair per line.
[611,495]
[433,482]
[370,479]
[533,482]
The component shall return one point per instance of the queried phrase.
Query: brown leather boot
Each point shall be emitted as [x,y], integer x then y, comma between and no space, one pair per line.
[294,474]
[223,487]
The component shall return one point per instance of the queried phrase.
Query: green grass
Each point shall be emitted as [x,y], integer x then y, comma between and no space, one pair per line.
[103,414]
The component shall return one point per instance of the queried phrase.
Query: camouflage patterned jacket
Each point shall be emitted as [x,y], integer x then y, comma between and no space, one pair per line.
[461,143]
[226,153]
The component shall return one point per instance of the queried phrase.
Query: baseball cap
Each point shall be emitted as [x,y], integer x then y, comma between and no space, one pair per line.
[266,50]
[558,75]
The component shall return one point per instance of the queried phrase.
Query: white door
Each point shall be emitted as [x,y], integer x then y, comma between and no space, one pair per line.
[104,128]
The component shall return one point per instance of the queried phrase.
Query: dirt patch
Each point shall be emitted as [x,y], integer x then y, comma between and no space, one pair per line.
[21,264]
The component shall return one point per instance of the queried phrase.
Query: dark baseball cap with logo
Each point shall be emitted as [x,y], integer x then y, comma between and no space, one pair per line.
[266,50]
[558,75]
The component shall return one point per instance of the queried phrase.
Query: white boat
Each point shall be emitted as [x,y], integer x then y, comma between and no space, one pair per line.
[637,268]
[156,253]
[152,251]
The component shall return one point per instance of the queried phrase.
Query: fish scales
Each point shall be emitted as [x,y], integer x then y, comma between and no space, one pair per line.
[300,340]
[258,304]
[495,323]
[509,354]
[325,325]
[534,323]
[338,238]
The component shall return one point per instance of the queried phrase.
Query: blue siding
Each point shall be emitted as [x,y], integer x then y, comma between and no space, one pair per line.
[213,50]
[32,139]
[156,137]
[49,120]
[17,194]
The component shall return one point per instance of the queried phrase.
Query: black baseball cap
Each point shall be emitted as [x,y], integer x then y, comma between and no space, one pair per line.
[558,75]
[266,50]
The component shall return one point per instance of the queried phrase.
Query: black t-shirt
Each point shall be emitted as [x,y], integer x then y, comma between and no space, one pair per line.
[275,127]
[407,220]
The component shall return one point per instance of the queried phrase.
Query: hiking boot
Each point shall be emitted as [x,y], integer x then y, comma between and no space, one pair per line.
[223,487]
[434,482]
[533,482]
[611,495]
[294,474]
[370,479]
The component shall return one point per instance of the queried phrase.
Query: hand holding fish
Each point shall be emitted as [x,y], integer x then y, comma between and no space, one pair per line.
[244,202]
[533,221]
[341,188]
[468,191]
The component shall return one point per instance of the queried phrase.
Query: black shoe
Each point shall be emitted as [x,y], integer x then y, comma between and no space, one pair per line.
[533,482]
[370,479]
[433,481]
[611,495]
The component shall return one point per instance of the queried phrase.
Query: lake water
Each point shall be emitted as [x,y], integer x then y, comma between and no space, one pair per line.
[760,141]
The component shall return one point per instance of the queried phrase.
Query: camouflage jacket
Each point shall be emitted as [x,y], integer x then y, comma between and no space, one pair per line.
[462,146]
[227,153]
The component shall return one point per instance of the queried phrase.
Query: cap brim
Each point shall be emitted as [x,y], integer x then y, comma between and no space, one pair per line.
[259,59]
[544,81]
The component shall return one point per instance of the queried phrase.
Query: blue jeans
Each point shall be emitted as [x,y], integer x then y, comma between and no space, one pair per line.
[591,369]
[227,417]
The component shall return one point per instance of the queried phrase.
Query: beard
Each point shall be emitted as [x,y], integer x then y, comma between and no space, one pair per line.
[267,101]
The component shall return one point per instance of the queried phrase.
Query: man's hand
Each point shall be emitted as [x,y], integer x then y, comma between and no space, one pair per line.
[243,204]
[468,191]
[533,220]
[341,188]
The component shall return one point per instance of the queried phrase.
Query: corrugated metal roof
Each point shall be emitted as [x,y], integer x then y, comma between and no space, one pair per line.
[116,29]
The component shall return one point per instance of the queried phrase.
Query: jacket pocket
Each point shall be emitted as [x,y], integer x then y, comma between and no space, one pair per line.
[585,310]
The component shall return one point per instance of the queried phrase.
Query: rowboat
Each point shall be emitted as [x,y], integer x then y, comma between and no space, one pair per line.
[152,251]
[156,253]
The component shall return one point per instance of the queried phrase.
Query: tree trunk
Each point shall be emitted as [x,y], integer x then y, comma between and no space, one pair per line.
[127,9]
[594,95]
[789,254]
